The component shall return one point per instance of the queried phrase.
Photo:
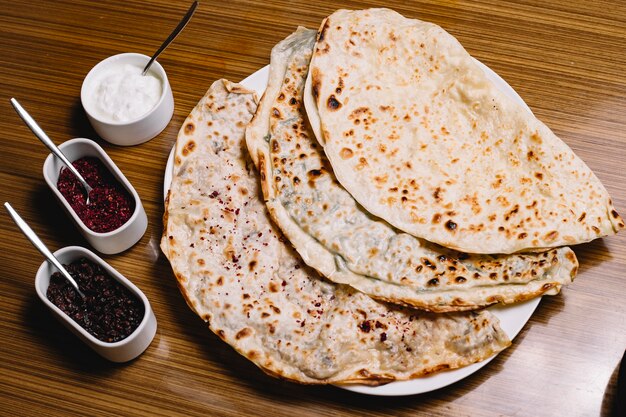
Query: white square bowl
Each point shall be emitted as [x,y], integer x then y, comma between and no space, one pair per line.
[117,240]
[122,351]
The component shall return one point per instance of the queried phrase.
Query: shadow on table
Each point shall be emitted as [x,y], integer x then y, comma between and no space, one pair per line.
[55,219]
[614,401]
[80,126]
[549,307]
[63,344]
[592,254]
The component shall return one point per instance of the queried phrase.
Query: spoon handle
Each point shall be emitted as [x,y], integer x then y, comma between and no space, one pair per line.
[175,32]
[41,135]
[34,239]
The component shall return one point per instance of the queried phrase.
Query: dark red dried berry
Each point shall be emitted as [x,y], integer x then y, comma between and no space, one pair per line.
[110,312]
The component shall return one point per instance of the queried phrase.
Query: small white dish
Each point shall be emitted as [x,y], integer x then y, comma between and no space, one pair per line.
[141,129]
[111,242]
[124,350]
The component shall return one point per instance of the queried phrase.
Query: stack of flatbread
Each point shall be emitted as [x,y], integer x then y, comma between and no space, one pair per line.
[351,226]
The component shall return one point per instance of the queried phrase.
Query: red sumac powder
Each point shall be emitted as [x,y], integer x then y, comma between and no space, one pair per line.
[110,205]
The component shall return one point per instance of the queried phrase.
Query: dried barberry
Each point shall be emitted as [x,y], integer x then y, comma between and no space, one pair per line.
[110,312]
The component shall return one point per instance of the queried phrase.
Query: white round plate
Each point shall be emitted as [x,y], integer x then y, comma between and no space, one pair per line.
[512,318]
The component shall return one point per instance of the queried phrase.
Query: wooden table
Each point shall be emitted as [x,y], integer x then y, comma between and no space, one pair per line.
[567,59]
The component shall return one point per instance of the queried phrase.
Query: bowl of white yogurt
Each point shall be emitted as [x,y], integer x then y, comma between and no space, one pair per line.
[123,106]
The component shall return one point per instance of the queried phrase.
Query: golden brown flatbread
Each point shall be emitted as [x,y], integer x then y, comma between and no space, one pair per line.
[336,236]
[238,273]
[422,138]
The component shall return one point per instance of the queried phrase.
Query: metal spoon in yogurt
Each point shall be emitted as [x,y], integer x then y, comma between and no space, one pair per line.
[175,32]
[34,239]
[41,135]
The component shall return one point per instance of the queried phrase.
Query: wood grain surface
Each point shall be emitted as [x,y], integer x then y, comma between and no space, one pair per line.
[567,59]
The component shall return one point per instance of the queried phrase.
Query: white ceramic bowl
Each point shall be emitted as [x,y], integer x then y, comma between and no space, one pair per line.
[124,350]
[119,239]
[136,131]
